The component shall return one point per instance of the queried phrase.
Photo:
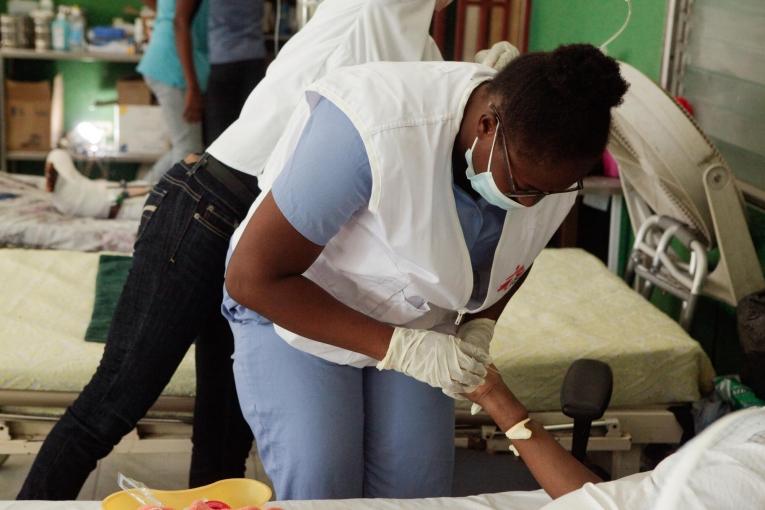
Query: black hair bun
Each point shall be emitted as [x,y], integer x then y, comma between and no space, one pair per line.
[583,75]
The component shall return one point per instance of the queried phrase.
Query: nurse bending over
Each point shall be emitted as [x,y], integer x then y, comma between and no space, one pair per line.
[403,198]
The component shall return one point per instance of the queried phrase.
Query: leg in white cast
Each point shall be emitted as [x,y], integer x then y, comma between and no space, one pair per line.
[73,193]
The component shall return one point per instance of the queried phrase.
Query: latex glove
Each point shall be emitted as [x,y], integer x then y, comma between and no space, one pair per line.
[477,332]
[442,361]
[498,56]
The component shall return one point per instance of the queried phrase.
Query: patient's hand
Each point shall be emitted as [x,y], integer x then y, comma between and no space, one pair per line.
[484,392]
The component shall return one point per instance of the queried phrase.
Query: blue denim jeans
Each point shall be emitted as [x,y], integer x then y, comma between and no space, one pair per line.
[171,297]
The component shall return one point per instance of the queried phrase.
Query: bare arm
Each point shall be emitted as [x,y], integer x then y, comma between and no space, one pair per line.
[555,469]
[265,274]
[184,16]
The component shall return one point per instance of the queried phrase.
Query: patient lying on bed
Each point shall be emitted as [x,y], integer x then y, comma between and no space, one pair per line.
[722,468]
[76,195]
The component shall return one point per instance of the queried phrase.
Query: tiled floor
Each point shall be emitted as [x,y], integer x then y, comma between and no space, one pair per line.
[475,473]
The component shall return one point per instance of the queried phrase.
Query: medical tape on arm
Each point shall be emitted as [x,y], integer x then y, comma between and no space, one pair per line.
[519,431]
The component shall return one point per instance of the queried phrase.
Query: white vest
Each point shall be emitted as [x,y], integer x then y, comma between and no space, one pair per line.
[342,33]
[403,260]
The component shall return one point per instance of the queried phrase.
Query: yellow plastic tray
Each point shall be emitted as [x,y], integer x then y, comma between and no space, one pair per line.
[237,492]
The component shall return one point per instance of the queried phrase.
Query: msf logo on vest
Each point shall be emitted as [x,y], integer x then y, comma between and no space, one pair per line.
[510,280]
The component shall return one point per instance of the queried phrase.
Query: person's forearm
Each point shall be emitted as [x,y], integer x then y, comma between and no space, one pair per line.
[299,305]
[184,14]
[265,274]
[555,469]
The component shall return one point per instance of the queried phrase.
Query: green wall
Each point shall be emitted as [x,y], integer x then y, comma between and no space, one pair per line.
[84,83]
[555,22]
[99,12]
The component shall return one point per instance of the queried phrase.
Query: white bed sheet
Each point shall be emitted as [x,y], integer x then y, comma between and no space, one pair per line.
[46,304]
[520,500]
[29,220]
[515,500]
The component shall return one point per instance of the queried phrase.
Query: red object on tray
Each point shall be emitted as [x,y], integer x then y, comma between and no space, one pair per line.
[214,504]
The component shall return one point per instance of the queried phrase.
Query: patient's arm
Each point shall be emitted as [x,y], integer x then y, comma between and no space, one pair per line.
[555,469]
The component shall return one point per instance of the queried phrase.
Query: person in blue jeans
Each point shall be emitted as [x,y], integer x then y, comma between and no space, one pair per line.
[173,291]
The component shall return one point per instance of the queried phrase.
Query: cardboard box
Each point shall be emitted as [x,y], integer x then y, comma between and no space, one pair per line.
[133,92]
[141,130]
[28,115]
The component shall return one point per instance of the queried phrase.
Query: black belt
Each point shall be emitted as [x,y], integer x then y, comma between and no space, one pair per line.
[243,186]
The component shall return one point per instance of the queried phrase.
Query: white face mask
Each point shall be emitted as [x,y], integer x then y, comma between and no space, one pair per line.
[484,184]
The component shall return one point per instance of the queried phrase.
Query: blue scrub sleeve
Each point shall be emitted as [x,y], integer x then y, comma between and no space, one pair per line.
[327,179]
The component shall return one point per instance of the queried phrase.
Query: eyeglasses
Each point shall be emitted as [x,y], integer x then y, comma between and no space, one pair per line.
[514,191]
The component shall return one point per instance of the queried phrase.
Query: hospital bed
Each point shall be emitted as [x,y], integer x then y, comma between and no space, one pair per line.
[570,307]
[46,305]
[29,220]
[684,203]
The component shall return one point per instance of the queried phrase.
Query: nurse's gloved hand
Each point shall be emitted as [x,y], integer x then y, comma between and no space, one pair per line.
[477,332]
[442,361]
[498,56]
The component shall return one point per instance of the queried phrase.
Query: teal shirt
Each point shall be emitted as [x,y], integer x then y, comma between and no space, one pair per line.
[161,62]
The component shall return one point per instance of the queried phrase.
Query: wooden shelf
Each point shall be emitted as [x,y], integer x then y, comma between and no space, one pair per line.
[82,56]
[116,157]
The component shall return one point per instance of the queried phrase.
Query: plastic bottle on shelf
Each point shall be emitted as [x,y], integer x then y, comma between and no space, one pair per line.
[60,30]
[138,36]
[76,30]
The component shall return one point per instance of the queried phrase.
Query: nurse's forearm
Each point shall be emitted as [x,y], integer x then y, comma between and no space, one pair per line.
[265,275]
[555,469]
[299,305]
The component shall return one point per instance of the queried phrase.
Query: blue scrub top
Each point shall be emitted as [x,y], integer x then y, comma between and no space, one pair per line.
[161,62]
[234,31]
